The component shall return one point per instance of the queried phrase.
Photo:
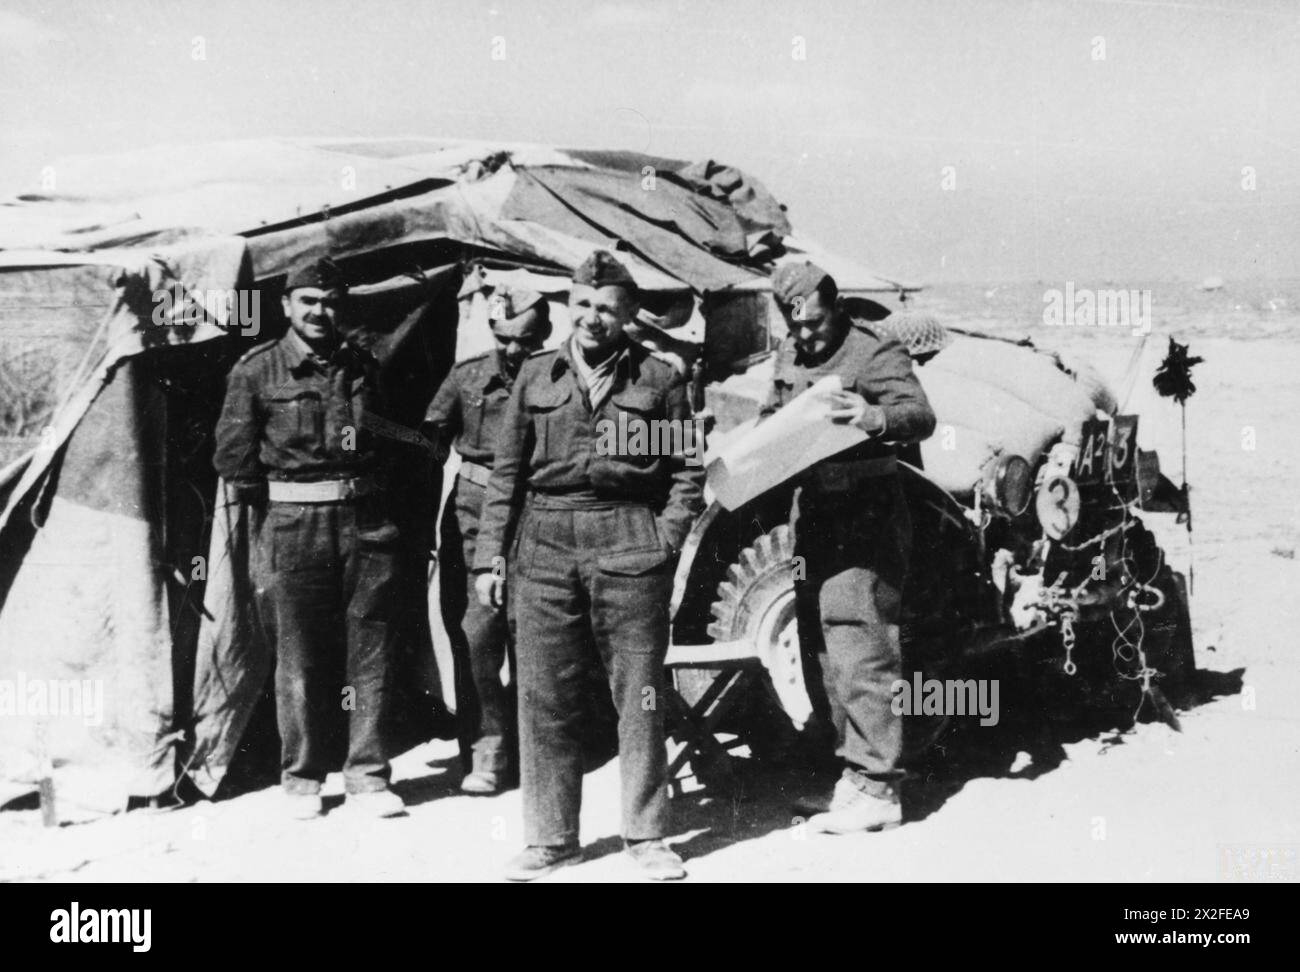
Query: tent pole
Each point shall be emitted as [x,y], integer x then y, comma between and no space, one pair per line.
[49,813]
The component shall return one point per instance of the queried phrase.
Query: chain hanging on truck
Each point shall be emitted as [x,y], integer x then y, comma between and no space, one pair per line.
[1135,602]
[1067,641]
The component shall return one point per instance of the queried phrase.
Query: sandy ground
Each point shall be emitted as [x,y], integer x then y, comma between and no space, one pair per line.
[1149,804]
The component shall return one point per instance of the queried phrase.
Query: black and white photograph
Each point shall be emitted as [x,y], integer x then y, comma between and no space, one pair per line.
[688,441]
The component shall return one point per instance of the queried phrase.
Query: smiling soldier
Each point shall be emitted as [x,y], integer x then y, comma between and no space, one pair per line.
[597,538]
[290,442]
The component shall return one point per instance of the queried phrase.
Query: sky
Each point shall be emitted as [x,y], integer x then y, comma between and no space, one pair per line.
[932,140]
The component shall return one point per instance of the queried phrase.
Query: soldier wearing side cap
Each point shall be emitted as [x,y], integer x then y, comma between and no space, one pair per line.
[853,531]
[597,537]
[292,445]
[466,413]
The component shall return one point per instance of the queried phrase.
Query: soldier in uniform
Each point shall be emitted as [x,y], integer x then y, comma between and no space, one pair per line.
[853,532]
[466,413]
[291,444]
[598,532]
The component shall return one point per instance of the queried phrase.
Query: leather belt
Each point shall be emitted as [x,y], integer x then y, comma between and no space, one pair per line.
[474,472]
[325,491]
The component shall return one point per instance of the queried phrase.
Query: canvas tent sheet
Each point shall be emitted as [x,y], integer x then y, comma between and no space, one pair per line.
[704,225]
[84,601]
[105,524]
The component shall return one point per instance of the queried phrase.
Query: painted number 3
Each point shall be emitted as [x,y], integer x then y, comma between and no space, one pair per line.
[1058,507]
[1120,454]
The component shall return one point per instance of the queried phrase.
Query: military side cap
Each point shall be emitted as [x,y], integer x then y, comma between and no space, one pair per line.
[517,311]
[793,281]
[507,302]
[602,270]
[323,274]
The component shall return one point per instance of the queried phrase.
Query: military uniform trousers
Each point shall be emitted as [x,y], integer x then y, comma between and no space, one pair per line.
[856,548]
[326,585]
[592,584]
[487,707]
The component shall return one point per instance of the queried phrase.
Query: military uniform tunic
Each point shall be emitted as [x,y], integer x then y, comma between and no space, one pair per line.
[287,414]
[596,538]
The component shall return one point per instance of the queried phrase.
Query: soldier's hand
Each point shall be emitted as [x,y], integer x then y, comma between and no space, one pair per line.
[851,408]
[489,588]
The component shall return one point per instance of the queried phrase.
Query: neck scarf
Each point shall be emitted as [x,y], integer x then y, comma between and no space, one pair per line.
[598,378]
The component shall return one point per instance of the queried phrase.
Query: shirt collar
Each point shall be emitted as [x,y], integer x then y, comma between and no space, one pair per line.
[494,374]
[629,363]
[301,353]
